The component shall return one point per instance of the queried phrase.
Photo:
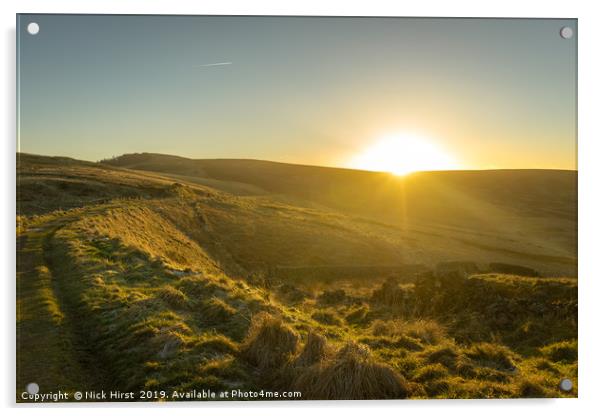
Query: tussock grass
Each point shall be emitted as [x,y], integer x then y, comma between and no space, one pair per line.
[173,297]
[458,388]
[200,286]
[427,331]
[445,354]
[216,311]
[216,343]
[492,355]
[270,343]
[154,285]
[351,374]
[400,342]
[332,297]
[431,372]
[563,351]
[392,294]
[171,342]
[534,386]
[358,315]
[328,317]
[315,350]
[226,370]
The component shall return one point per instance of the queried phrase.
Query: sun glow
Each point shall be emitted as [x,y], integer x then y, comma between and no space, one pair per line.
[403,153]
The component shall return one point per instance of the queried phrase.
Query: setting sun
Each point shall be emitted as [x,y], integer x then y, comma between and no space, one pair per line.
[403,153]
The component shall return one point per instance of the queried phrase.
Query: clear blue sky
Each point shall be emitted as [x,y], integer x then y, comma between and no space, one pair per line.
[495,93]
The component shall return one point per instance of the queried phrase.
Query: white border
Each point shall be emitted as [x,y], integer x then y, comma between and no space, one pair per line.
[590,184]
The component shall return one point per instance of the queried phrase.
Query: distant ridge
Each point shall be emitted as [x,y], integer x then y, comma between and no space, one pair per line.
[538,192]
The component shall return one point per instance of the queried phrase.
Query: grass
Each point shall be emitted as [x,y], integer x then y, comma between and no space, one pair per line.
[270,344]
[563,351]
[164,285]
[351,374]
[46,348]
[315,350]
[492,355]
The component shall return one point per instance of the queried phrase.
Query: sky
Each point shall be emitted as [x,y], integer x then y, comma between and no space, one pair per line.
[347,92]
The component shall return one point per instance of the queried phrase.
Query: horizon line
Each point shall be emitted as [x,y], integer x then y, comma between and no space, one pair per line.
[301,164]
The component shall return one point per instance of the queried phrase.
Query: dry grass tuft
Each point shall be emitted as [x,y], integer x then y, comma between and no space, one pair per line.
[533,387]
[315,350]
[358,315]
[216,311]
[442,354]
[352,374]
[495,356]
[385,328]
[431,372]
[332,297]
[426,330]
[173,297]
[217,343]
[327,317]
[564,351]
[269,343]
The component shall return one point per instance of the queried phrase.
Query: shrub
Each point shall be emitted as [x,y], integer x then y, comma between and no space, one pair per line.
[352,374]
[269,343]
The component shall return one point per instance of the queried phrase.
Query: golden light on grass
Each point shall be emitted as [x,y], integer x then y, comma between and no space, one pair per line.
[158,307]
[401,154]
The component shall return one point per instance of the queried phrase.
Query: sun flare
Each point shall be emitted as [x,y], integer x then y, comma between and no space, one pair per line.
[401,154]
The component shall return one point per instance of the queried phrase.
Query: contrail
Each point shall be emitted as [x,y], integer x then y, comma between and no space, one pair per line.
[215,64]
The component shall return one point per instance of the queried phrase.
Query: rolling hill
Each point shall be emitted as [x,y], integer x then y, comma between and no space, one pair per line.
[245,275]
[520,216]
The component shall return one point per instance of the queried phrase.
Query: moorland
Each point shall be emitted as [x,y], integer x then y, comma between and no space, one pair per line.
[157,272]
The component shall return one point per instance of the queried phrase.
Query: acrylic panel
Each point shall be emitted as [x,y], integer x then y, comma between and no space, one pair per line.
[295,208]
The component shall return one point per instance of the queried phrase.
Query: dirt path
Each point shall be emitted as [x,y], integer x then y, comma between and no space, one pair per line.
[50,351]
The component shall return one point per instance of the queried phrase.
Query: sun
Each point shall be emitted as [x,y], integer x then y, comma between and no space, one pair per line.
[401,154]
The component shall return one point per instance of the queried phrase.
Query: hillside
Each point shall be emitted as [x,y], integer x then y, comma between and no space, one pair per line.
[519,216]
[523,192]
[135,279]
